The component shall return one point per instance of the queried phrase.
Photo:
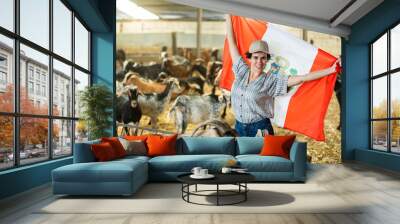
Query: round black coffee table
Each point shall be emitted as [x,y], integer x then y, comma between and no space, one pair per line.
[238,179]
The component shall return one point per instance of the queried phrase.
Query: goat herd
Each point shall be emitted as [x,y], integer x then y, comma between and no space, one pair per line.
[147,90]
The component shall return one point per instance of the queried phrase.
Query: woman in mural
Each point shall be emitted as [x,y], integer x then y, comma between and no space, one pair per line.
[253,90]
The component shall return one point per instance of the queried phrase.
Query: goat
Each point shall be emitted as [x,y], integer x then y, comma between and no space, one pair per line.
[217,128]
[128,110]
[145,86]
[179,71]
[195,84]
[200,69]
[195,109]
[152,105]
[226,93]
[213,69]
[148,72]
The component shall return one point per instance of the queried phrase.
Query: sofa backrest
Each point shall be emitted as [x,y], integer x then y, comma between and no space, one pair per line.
[206,145]
[249,145]
[83,152]
[190,146]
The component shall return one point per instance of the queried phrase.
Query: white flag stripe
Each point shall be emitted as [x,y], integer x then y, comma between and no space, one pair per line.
[297,52]
[299,56]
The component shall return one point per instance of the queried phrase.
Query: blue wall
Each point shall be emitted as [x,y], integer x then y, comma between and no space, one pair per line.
[355,53]
[100,16]
[24,178]
[103,51]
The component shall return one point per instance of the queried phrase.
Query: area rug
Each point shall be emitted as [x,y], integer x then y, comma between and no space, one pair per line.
[167,198]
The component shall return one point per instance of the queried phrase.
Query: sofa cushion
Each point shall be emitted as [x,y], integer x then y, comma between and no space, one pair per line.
[132,157]
[103,152]
[277,145]
[136,137]
[116,145]
[257,163]
[134,147]
[206,145]
[112,171]
[185,163]
[249,145]
[83,153]
[159,145]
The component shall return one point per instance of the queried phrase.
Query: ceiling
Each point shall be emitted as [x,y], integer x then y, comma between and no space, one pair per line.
[173,11]
[326,16]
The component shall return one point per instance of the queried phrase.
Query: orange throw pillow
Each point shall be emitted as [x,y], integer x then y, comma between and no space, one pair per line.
[116,145]
[277,145]
[161,145]
[103,152]
[135,138]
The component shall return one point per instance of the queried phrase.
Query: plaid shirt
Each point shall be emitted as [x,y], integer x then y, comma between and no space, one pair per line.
[255,101]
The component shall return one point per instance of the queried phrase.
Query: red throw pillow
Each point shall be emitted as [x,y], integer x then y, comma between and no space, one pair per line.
[103,151]
[277,145]
[161,145]
[116,145]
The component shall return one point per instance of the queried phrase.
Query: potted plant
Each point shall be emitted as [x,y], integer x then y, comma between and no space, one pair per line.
[96,103]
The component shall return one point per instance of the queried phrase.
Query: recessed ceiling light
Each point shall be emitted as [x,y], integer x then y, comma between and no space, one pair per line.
[134,11]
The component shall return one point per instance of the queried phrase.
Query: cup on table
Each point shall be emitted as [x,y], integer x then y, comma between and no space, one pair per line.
[203,172]
[196,171]
[226,170]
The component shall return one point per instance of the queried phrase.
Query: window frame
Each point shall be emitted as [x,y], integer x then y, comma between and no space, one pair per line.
[389,73]
[16,114]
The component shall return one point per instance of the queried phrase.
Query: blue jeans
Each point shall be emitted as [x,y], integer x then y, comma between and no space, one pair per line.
[251,129]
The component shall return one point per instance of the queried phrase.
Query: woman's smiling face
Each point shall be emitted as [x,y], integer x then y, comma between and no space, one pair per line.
[258,61]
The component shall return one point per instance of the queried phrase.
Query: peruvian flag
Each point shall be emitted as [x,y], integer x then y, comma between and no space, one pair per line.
[303,109]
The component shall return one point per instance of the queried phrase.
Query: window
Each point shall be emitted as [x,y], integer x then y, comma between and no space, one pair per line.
[43,77]
[62,130]
[55,95]
[62,74]
[62,29]
[385,94]
[41,83]
[7,14]
[38,89]
[30,87]
[44,91]
[3,78]
[37,74]
[7,142]
[34,21]
[3,72]
[3,61]
[81,81]
[81,45]
[30,72]
[33,149]
[6,73]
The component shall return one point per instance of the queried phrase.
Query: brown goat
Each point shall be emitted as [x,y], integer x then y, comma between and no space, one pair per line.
[133,78]
[176,70]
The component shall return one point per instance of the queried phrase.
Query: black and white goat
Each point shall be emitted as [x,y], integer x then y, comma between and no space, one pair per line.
[196,109]
[153,104]
[145,71]
[128,109]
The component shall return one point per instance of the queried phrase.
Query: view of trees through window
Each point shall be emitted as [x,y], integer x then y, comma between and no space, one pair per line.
[40,82]
[385,94]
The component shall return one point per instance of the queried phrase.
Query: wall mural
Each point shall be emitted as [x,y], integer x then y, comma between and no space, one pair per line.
[163,87]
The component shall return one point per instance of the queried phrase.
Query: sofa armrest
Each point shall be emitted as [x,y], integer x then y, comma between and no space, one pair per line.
[298,155]
[83,152]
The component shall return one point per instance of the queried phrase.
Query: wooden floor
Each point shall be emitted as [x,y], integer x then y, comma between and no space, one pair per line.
[378,189]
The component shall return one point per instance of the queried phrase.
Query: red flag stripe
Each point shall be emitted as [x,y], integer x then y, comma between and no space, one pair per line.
[308,106]
[247,31]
